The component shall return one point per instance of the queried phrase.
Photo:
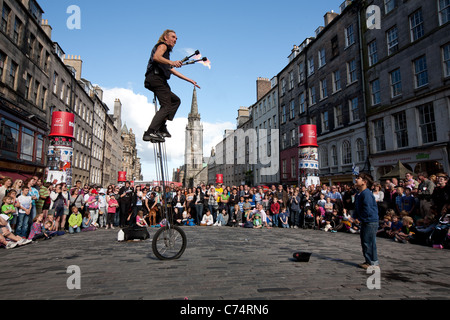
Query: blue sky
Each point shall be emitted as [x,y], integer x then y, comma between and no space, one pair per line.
[243,40]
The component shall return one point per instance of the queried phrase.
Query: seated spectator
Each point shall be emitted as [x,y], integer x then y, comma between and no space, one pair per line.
[320,215]
[222,218]
[140,221]
[396,226]
[75,221]
[385,226]
[406,233]
[37,229]
[88,223]
[423,230]
[5,233]
[236,220]
[207,219]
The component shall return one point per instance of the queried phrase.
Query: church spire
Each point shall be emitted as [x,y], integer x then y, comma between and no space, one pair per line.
[194,107]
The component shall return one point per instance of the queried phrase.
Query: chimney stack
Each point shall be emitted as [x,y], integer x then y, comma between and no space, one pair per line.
[329,16]
[47,28]
[262,87]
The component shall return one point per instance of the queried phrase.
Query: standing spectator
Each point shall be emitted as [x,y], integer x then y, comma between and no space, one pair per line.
[410,182]
[25,204]
[296,216]
[103,208]
[198,205]
[425,190]
[275,210]
[44,193]
[441,194]
[34,193]
[66,194]
[93,206]
[17,185]
[112,208]
[366,211]
[125,196]
[6,186]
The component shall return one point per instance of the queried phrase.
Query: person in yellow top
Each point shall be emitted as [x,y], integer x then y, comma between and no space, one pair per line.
[75,221]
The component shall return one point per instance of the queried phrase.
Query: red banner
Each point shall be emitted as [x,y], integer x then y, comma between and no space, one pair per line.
[219,179]
[63,124]
[308,135]
[122,176]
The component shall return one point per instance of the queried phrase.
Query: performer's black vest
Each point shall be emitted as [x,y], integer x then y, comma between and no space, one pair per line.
[158,68]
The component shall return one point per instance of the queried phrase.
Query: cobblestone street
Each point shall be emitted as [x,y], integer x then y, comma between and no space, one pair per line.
[222,263]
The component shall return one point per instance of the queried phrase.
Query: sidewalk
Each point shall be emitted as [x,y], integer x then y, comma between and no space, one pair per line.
[222,263]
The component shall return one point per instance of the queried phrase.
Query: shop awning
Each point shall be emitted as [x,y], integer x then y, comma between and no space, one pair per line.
[14,175]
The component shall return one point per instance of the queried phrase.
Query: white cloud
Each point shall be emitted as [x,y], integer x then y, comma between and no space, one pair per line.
[138,112]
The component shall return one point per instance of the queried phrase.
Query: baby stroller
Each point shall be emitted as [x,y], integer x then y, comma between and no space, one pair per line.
[440,236]
[309,221]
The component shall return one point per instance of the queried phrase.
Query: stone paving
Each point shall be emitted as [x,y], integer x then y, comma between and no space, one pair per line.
[222,263]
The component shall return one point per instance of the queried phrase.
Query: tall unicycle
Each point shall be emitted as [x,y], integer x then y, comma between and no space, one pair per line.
[169,242]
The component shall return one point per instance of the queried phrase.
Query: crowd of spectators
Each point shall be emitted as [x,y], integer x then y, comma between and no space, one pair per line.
[411,209]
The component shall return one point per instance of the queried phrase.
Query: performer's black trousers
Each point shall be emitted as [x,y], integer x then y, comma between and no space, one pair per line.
[169,102]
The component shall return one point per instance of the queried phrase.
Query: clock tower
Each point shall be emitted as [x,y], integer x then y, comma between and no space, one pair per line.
[193,155]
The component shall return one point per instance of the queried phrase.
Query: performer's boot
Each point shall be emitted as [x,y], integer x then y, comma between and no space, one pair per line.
[164,132]
[153,136]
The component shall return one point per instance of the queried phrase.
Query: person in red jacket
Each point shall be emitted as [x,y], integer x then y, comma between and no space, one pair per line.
[275,210]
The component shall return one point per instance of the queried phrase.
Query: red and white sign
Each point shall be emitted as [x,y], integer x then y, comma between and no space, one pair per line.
[63,124]
[308,135]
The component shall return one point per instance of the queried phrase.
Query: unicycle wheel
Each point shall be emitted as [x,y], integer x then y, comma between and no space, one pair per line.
[169,243]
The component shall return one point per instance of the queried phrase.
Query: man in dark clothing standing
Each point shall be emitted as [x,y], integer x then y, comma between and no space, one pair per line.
[125,197]
[366,211]
[159,70]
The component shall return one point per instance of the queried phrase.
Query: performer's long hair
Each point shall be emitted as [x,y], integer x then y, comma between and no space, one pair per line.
[163,36]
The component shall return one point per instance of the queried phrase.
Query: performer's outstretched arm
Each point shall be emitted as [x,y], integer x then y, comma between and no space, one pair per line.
[181,76]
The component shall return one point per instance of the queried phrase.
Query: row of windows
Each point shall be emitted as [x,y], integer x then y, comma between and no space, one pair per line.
[18,142]
[426,124]
[420,72]
[13,27]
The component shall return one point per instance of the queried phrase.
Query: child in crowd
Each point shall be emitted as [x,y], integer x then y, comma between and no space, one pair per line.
[321,202]
[38,230]
[13,194]
[241,204]
[320,215]
[140,221]
[396,226]
[328,207]
[8,207]
[275,210]
[112,207]
[75,221]
[208,219]
[222,218]
[257,224]
[88,222]
[236,220]
[247,205]
[24,203]
[406,233]
[385,226]
[284,217]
